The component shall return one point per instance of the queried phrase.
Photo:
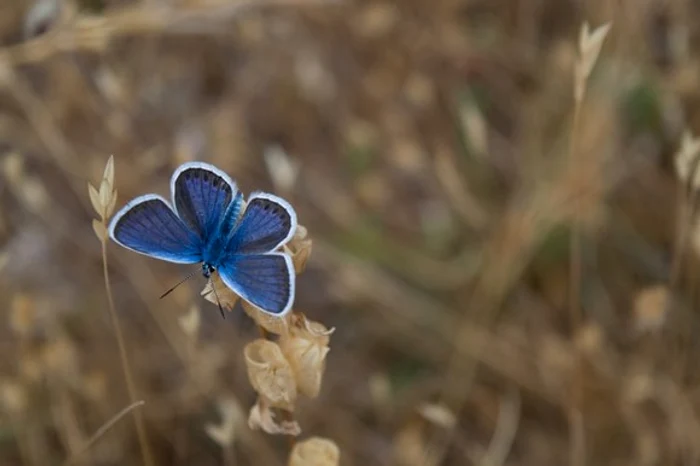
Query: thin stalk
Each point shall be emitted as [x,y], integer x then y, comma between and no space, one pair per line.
[138,418]
[103,430]
[577,435]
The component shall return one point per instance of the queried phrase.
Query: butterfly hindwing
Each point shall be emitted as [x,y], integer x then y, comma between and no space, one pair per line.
[201,195]
[265,280]
[149,226]
[267,223]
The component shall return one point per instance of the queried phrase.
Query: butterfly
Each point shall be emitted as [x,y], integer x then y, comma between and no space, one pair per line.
[207,223]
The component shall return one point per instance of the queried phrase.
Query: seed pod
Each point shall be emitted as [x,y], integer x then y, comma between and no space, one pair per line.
[262,417]
[315,451]
[270,374]
[299,248]
[273,324]
[306,347]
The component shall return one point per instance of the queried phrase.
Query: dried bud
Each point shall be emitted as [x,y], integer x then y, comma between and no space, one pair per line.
[299,248]
[217,292]
[262,417]
[270,374]
[273,324]
[104,199]
[306,347]
[315,451]
[590,44]
[231,417]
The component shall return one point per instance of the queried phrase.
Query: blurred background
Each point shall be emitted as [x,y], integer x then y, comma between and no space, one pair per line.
[427,147]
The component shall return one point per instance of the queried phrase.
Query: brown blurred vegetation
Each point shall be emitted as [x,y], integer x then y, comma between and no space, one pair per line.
[432,141]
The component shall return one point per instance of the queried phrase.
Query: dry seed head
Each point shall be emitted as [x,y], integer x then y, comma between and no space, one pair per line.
[100,229]
[104,199]
[686,159]
[315,451]
[270,374]
[306,347]
[271,323]
[231,417]
[589,45]
[299,248]
[262,417]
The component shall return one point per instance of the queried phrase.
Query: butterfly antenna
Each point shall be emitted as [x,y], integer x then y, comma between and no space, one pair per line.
[178,284]
[218,301]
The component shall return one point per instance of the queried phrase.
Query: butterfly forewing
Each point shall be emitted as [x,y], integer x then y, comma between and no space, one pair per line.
[201,195]
[267,223]
[265,280]
[148,225]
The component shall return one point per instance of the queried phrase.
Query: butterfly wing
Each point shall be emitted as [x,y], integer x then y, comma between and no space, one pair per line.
[149,226]
[201,195]
[264,280]
[268,222]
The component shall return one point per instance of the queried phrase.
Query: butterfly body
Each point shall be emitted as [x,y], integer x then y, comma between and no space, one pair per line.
[207,223]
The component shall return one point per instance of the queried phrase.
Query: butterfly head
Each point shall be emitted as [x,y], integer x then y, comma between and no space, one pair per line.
[207,270]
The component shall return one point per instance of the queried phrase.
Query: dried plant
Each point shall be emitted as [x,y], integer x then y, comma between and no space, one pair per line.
[315,451]
[103,201]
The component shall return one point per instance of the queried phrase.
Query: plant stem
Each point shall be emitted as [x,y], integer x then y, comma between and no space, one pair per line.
[138,418]
[576,423]
[103,430]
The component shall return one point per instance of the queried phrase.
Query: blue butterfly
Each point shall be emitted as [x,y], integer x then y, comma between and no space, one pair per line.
[205,224]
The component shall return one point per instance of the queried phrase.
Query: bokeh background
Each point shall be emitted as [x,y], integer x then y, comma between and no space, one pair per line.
[426,146]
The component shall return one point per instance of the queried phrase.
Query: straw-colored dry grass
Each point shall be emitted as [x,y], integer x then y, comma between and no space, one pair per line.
[430,149]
